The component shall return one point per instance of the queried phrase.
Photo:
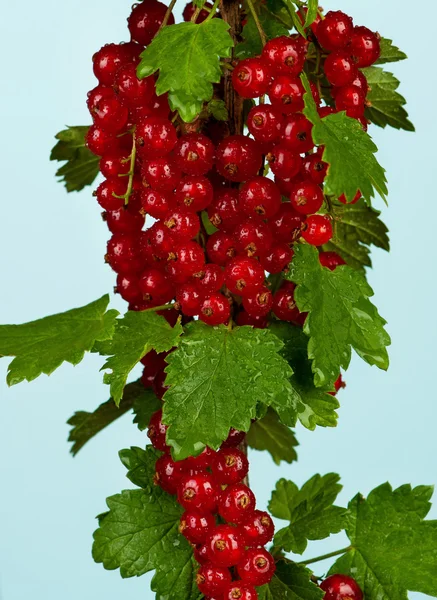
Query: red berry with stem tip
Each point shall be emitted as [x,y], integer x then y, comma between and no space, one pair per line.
[122,254]
[155,137]
[331,260]
[107,61]
[236,503]
[344,200]
[284,163]
[238,158]
[157,432]
[258,529]
[257,567]
[229,465]
[133,91]
[243,274]
[156,204]
[259,196]
[286,185]
[213,580]
[286,226]
[340,68]
[243,318]
[277,258]
[201,554]
[360,81]
[211,279]
[286,54]
[234,438]
[335,30]
[307,197]
[158,241]
[128,288]
[194,192]
[251,77]
[258,302]
[296,134]
[185,260]
[156,287]
[352,100]
[198,491]
[110,114]
[264,123]
[194,154]
[161,174]
[190,9]
[124,220]
[225,546]
[221,248]
[286,94]
[115,163]
[317,230]
[225,212]
[314,168]
[365,47]
[145,20]
[109,193]
[215,309]
[183,224]
[168,473]
[190,298]
[253,237]
[240,590]
[284,305]
[195,525]
[341,587]
[99,142]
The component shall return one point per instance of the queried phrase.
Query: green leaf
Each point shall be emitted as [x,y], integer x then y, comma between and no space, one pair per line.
[252,45]
[281,10]
[317,407]
[135,335]
[313,7]
[82,166]
[356,227]
[140,465]
[341,316]
[394,548]
[349,152]
[389,53]
[187,57]
[386,104]
[42,346]
[270,434]
[310,510]
[218,110]
[290,582]
[87,425]
[217,377]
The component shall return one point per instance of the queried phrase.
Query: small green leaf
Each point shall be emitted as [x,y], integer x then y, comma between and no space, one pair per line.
[140,465]
[386,104]
[313,7]
[187,57]
[252,45]
[135,335]
[217,377]
[218,110]
[389,53]
[310,510]
[349,152]
[270,434]
[42,346]
[82,166]
[290,582]
[341,316]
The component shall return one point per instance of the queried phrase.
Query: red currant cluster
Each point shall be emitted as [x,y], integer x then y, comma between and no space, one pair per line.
[208,485]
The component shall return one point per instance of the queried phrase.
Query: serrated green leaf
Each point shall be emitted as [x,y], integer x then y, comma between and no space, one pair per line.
[140,465]
[281,10]
[135,335]
[356,227]
[217,377]
[218,110]
[42,346]
[389,53]
[82,166]
[270,434]
[310,510]
[311,16]
[290,582]
[87,425]
[187,57]
[394,548]
[386,104]
[252,45]
[349,152]
[341,316]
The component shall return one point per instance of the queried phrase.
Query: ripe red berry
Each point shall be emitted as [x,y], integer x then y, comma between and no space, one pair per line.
[243,274]
[185,260]
[155,137]
[158,384]
[201,554]
[286,94]
[110,114]
[238,158]
[213,580]
[194,192]
[156,204]
[284,163]
[115,163]
[196,525]
[157,241]
[225,212]
[145,20]
[234,438]
[99,142]
[225,546]
[229,465]
[325,111]
[331,260]
[190,298]
[251,77]
[236,503]
[258,302]
[109,193]
[259,196]
[122,254]
[314,168]
[194,154]
[285,54]
[296,134]
[307,197]
[133,91]
[341,587]
[243,318]
[335,30]
[287,224]
[107,61]
[211,279]
[317,230]
[277,258]
[183,224]
[240,590]
[258,529]
[161,174]
[352,100]
[264,123]
[156,287]
[221,248]
[168,473]
[124,220]
[157,432]
[215,309]
[128,288]
[198,491]
[253,237]
[190,8]
[284,305]
[257,567]
[340,68]
[153,364]
[365,47]
[200,462]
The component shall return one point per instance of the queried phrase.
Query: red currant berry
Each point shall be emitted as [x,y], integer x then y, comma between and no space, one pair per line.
[277,258]
[161,174]
[198,491]
[131,90]
[259,196]
[238,158]
[257,567]
[335,30]
[317,230]
[264,123]
[185,260]
[251,77]
[296,134]
[341,587]
[157,432]
[221,248]
[124,220]
[360,81]
[201,554]
[183,224]
[194,193]
[212,580]
[156,204]
[236,503]
[243,274]
[253,237]
[196,525]
[285,54]
[215,309]
[99,142]
[302,18]
[108,191]
[365,47]
[229,465]
[258,529]
[225,212]
[314,168]
[239,590]
[190,9]
[344,200]
[286,226]
[155,137]
[325,111]
[116,163]
[307,197]
[211,279]
[283,162]
[145,20]
[109,114]
[190,298]
[350,99]
[340,68]
[107,61]
[243,318]
[194,154]
[234,438]
[225,546]
[157,241]
[155,287]
[286,94]
[122,254]
[153,364]
[258,302]
[168,473]
[284,305]
[200,462]
[331,260]
[128,288]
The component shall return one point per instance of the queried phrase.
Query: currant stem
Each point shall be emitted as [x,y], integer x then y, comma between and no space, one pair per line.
[167,15]
[261,32]
[195,15]
[131,170]
[325,556]
[213,12]
[156,308]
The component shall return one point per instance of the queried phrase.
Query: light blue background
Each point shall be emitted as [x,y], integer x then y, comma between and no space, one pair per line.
[51,259]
